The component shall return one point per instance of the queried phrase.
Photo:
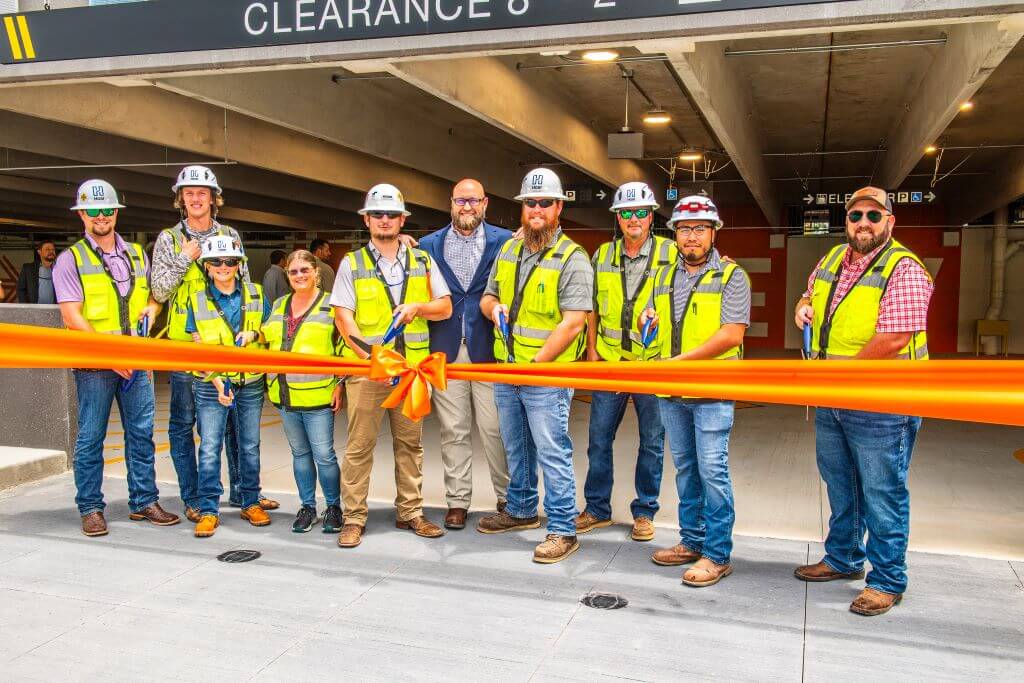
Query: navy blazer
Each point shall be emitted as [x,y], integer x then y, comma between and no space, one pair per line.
[446,335]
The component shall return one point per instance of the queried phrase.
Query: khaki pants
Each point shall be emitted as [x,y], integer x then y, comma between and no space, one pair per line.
[364,417]
[456,409]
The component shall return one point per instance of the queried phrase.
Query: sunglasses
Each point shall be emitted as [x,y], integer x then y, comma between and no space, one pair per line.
[462,201]
[93,213]
[218,262]
[300,271]
[543,203]
[626,214]
[381,215]
[874,216]
[686,231]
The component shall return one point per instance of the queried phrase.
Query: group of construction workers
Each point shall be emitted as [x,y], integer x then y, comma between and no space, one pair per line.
[481,294]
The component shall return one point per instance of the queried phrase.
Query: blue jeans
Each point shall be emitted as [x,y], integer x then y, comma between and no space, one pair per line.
[606,412]
[212,419]
[864,459]
[97,391]
[311,437]
[698,435]
[535,428]
[180,434]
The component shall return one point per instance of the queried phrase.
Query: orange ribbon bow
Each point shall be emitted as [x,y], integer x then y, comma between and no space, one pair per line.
[414,379]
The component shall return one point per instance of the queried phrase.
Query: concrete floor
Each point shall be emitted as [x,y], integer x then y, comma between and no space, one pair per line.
[965,483]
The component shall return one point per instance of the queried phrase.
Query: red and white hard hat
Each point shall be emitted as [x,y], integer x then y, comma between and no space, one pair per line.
[695,208]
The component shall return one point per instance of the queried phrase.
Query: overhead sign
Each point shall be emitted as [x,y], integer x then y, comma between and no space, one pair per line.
[160,26]
[900,197]
[586,195]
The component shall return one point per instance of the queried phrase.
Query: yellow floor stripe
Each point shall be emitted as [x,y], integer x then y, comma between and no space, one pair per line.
[162,447]
[26,37]
[12,38]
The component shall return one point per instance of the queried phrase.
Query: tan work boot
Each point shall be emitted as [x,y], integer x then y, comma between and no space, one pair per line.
[456,518]
[93,524]
[351,535]
[820,572]
[502,522]
[255,515]
[206,526]
[555,548]
[872,602]
[587,522]
[269,503]
[643,529]
[421,526]
[706,573]
[675,556]
[192,515]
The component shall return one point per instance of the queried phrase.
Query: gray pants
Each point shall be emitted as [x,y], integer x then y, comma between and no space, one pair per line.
[456,410]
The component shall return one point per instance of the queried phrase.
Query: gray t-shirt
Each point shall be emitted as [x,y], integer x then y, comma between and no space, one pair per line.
[636,266]
[169,268]
[327,276]
[275,283]
[735,296]
[393,272]
[575,284]
[46,293]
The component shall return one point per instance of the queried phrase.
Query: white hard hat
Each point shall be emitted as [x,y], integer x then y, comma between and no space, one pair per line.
[221,246]
[634,196]
[96,194]
[196,176]
[695,208]
[384,197]
[541,183]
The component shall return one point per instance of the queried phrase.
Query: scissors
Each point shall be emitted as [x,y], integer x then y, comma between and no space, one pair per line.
[503,326]
[806,352]
[645,334]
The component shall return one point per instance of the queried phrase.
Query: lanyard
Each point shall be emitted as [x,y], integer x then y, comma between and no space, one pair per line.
[629,301]
[517,298]
[122,300]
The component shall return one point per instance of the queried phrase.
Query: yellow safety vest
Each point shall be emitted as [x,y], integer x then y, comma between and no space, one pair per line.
[703,314]
[533,311]
[214,329]
[193,281]
[374,305]
[315,335]
[102,304]
[844,333]
[615,312]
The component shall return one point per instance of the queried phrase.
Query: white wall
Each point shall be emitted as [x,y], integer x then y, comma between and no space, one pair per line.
[975,285]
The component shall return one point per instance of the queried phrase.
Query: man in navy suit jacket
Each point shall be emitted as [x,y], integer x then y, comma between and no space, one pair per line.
[464,252]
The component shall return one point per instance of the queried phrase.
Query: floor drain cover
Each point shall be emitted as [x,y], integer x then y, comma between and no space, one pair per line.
[604,601]
[239,556]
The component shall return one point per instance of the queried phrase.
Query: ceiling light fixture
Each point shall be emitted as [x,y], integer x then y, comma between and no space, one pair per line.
[931,149]
[555,53]
[657,116]
[967,106]
[691,156]
[601,56]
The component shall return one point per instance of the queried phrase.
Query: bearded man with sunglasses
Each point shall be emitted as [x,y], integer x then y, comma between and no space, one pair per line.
[101,284]
[866,300]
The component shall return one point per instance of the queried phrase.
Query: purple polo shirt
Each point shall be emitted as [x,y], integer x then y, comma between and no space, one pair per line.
[65,274]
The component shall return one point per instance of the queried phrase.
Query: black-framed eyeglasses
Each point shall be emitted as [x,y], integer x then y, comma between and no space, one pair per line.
[626,214]
[543,203]
[472,201]
[94,213]
[218,262]
[874,215]
[381,215]
[686,230]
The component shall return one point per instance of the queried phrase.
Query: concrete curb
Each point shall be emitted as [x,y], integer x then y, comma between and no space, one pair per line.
[24,465]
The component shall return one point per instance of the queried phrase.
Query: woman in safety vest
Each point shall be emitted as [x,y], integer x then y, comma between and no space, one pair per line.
[303,322]
[227,312]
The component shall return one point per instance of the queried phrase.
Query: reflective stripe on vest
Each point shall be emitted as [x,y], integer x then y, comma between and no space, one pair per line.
[534,312]
[102,304]
[192,281]
[702,317]
[214,329]
[846,331]
[314,335]
[614,312]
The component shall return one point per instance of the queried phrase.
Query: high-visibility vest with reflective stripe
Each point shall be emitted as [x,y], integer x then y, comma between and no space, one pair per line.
[193,281]
[374,308]
[703,314]
[614,313]
[102,304]
[536,314]
[853,324]
[315,335]
[214,329]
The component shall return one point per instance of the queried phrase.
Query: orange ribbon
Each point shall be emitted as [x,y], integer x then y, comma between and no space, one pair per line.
[414,380]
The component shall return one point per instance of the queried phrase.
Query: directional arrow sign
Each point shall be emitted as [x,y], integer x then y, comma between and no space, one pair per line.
[809,199]
[601,195]
[930,197]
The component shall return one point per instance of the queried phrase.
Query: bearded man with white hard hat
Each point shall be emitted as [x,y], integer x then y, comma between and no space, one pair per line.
[540,290]
[623,282]
[101,284]
[385,294]
[701,310]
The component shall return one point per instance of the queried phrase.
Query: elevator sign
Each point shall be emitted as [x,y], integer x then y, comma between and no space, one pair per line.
[162,26]
[901,197]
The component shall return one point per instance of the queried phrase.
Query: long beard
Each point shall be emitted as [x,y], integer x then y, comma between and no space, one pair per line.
[864,248]
[467,223]
[536,240]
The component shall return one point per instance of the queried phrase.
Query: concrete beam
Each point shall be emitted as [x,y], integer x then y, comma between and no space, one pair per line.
[972,52]
[999,187]
[726,104]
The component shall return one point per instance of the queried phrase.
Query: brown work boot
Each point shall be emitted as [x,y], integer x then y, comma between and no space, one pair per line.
[587,522]
[872,602]
[555,548]
[643,529]
[820,572]
[269,504]
[255,515]
[192,515]
[93,524]
[351,535]
[502,522]
[155,515]
[206,526]
[456,518]
[675,556]
[421,526]
[502,505]
[706,573]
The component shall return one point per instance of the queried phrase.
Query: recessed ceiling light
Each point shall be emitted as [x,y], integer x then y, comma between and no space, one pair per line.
[657,116]
[931,149]
[555,53]
[967,106]
[601,56]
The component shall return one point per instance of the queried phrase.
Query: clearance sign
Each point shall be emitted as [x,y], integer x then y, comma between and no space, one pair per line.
[161,26]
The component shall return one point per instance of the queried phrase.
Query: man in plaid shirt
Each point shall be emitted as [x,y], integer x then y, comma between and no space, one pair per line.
[866,300]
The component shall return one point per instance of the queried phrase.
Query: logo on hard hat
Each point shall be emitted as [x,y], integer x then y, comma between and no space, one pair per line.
[194,174]
[83,197]
[630,195]
[97,193]
[537,181]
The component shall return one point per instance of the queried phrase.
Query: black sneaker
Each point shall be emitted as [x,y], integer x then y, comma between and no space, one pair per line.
[333,520]
[305,520]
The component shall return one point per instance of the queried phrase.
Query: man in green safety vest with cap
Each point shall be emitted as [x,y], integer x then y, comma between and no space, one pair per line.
[867,300]
[623,282]
[540,290]
[701,308]
[101,284]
